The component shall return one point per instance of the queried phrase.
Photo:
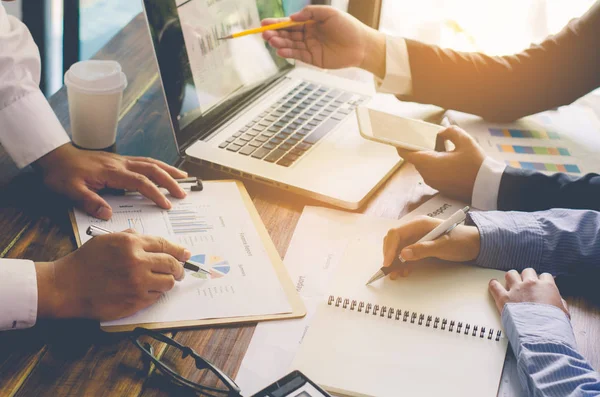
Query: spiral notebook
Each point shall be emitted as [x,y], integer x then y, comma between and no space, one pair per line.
[434,333]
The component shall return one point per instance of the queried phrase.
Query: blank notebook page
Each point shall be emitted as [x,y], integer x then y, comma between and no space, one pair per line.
[357,354]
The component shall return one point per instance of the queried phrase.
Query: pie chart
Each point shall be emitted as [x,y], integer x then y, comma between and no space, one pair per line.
[218,266]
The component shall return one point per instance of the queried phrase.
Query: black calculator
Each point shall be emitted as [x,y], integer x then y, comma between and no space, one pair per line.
[294,384]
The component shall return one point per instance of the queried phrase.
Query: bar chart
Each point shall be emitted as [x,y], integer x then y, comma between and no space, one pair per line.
[186,219]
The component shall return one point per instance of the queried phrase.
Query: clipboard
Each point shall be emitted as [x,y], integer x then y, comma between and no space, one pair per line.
[296,303]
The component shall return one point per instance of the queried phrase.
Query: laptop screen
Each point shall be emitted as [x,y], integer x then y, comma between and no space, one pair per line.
[207,79]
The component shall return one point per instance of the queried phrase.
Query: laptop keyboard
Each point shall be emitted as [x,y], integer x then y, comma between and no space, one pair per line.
[291,126]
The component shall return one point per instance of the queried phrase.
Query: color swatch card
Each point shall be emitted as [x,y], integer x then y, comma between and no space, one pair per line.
[564,140]
[217,228]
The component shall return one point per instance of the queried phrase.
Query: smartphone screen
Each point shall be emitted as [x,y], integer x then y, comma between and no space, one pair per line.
[406,132]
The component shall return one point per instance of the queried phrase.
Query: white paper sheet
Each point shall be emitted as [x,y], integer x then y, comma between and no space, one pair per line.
[375,352]
[216,227]
[319,242]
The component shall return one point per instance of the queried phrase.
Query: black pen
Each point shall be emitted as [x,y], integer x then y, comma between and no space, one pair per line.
[196,183]
[95,230]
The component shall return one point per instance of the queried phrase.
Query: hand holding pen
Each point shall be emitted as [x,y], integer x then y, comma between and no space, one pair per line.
[95,230]
[110,277]
[416,240]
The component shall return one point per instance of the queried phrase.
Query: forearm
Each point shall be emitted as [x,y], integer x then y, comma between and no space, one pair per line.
[556,241]
[547,358]
[560,70]
[374,60]
[48,295]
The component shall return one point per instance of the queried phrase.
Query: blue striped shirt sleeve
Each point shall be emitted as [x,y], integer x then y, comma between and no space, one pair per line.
[556,241]
[548,363]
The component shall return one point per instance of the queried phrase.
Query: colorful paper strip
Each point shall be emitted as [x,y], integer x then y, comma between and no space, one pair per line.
[541,150]
[528,165]
[515,133]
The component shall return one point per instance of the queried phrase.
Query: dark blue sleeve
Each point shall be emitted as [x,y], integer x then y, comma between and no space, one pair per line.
[526,190]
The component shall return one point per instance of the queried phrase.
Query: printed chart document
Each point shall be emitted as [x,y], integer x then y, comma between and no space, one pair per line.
[217,228]
[563,140]
[328,233]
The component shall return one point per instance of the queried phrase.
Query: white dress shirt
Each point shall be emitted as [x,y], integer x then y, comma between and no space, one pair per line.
[29,129]
[398,81]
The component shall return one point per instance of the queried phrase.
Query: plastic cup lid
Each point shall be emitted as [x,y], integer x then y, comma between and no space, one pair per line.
[96,77]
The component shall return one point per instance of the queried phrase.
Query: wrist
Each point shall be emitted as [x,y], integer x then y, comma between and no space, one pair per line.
[54,157]
[48,294]
[55,293]
[374,53]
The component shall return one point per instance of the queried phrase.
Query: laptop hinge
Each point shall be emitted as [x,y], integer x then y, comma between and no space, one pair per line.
[226,117]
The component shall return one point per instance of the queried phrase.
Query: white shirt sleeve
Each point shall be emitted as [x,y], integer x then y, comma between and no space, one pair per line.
[487,185]
[397,79]
[30,128]
[18,294]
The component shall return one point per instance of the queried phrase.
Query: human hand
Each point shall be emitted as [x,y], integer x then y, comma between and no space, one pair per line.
[460,245]
[527,287]
[336,40]
[452,173]
[109,277]
[80,174]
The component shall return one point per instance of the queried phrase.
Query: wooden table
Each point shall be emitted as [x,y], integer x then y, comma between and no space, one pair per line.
[58,358]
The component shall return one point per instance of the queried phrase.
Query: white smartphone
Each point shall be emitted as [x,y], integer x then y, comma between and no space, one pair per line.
[397,131]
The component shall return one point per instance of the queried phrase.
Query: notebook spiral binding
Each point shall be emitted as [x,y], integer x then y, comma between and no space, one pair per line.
[414,317]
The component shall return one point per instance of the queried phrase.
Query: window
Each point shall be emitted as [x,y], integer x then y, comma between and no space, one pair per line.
[494,27]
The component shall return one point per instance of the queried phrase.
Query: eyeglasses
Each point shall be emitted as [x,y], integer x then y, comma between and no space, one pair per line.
[230,388]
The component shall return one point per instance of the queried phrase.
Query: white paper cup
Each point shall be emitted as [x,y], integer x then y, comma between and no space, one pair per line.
[95,92]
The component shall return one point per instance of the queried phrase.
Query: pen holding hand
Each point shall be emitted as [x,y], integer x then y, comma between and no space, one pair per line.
[462,245]
[95,230]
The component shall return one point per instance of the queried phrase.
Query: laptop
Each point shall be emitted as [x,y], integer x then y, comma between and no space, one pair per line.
[236,106]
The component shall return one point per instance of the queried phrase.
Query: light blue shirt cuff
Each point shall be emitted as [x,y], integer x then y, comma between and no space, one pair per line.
[536,322]
[509,240]
[548,363]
